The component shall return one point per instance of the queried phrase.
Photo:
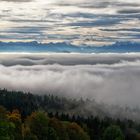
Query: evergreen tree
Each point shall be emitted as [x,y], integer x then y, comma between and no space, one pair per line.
[113,133]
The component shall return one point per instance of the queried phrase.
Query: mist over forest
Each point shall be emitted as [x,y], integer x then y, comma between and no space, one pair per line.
[106,78]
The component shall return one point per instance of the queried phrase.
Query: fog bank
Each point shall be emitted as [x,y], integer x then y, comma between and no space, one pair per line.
[108,78]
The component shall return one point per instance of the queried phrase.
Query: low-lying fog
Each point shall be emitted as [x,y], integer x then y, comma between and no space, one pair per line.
[108,78]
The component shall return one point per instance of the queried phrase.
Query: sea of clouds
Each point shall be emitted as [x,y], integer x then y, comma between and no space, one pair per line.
[108,78]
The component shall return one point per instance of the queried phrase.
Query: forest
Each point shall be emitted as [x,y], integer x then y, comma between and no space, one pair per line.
[25,116]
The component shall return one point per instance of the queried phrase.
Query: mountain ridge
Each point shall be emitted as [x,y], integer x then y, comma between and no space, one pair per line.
[34,46]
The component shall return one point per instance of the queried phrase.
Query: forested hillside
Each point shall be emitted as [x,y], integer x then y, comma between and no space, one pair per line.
[32,117]
[37,126]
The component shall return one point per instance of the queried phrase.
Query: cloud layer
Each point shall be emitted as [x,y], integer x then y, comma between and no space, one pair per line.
[101,22]
[108,78]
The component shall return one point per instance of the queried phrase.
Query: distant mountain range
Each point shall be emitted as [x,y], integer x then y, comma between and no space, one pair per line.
[118,47]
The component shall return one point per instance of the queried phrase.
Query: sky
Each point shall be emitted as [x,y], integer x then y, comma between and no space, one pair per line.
[80,22]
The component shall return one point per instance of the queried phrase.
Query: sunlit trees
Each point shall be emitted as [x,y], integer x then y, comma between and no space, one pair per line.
[15,117]
[59,128]
[6,127]
[38,124]
[75,132]
[40,127]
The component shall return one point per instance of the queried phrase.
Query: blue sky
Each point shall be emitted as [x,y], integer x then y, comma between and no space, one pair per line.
[80,22]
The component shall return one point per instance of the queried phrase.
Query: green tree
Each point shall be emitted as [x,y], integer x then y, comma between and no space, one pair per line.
[38,124]
[59,127]
[26,133]
[6,127]
[113,132]
[75,132]
[52,135]
[15,117]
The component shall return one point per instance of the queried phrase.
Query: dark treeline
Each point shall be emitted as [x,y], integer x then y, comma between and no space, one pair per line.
[26,103]
[34,117]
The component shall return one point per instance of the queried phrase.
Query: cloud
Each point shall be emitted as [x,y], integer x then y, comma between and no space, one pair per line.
[122,29]
[111,80]
[129,11]
[69,17]
[98,4]
[108,78]
[17,0]
[99,22]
